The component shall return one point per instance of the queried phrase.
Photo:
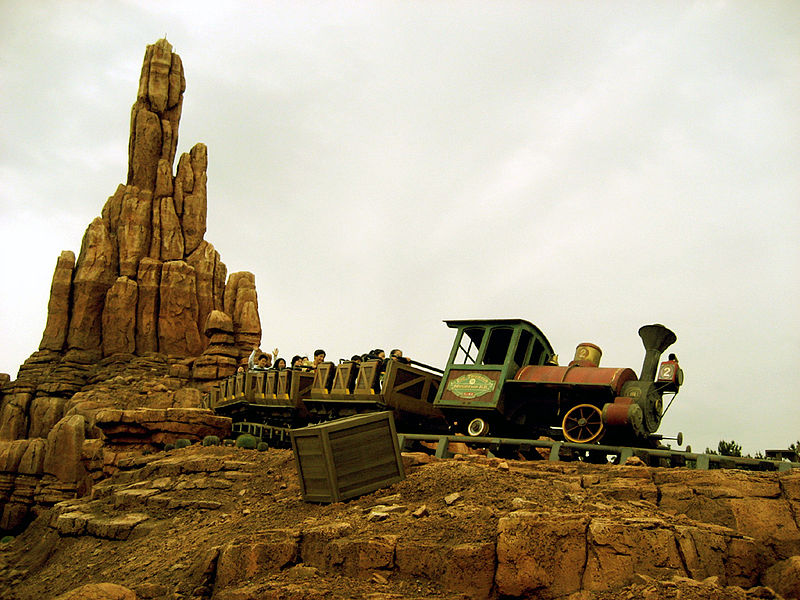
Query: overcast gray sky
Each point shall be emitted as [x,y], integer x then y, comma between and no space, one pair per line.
[383,166]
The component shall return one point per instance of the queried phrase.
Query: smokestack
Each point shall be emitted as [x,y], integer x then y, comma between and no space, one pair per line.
[656,339]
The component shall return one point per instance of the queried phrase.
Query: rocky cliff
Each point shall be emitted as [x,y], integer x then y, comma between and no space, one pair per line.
[141,319]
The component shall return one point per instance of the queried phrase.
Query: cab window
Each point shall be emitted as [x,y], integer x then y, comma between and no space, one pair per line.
[525,338]
[497,348]
[469,346]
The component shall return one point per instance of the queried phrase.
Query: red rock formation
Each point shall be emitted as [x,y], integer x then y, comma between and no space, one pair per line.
[147,308]
[170,233]
[137,299]
[55,331]
[155,115]
[134,229]
[119,317]
[155,427]
[155,218]
[193,217]
[95,273]
[220,358]
[178,334]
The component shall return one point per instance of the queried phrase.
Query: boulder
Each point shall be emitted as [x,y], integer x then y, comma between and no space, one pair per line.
[14,415]
[45,412]
[784,578]
[219,322]
[99,591]
[538,552]
[239,562]
[64,447]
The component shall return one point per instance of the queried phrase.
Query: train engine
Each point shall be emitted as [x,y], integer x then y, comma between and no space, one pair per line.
[502,379]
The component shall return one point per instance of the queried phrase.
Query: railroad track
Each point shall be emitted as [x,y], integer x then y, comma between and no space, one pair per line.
[554,450]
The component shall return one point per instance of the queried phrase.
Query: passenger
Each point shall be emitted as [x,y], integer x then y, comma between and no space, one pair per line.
[297,361]
[280,364]
[263,362]
[376,354]
[319,357]
[356,358]
[397,354]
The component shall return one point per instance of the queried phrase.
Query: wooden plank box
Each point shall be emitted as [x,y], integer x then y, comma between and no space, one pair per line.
[348,457]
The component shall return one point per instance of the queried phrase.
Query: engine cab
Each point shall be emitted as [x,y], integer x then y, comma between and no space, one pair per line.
[484,356]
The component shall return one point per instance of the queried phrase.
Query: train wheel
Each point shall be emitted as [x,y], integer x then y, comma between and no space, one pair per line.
[583,424]
[478,427]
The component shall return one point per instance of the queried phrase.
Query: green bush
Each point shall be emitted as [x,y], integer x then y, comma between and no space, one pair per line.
[182,443]
[211,440]
[7,539]
[168,447]
[246,441]
[262,446]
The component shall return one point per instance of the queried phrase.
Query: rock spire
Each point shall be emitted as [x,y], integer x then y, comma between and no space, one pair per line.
[137,325]
[145,279]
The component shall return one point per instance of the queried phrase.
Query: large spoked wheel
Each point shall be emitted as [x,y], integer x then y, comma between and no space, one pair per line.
[583,424]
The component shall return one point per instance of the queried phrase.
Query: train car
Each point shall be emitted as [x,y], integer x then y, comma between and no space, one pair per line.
[502,379]
[294,398]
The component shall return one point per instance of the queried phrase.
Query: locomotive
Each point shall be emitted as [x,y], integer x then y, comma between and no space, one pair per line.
[502,378]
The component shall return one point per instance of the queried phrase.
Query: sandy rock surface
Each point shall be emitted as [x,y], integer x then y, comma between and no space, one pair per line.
[229,523]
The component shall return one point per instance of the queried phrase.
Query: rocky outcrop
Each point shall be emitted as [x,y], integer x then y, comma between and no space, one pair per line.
[240,301]
[178,334]
[152,428]
[55,331]
[475,528]
[155,115]
[119,317]
[145,281]
[99,591]
[95,273]
[127,321]
[220,358]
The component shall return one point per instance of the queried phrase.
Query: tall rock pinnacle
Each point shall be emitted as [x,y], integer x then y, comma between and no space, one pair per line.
[146,280]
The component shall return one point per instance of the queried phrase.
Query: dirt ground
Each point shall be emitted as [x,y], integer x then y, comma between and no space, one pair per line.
[454,501]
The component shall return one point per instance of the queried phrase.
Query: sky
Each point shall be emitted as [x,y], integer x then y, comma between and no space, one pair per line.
[382,167]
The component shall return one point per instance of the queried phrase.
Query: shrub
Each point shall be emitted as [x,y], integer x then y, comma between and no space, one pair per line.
[262,446]
[211,440]
[246,441]
[168,447]
[7,539]
[182,443]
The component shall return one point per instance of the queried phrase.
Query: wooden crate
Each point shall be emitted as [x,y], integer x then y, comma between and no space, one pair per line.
[347,457]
